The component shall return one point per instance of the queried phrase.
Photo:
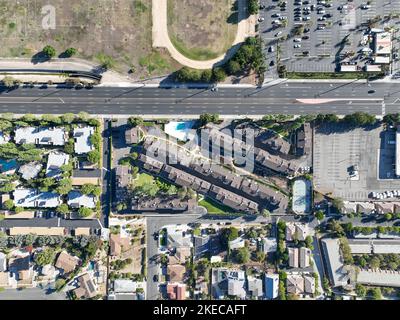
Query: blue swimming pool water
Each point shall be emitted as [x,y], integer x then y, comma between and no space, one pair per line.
[181,126]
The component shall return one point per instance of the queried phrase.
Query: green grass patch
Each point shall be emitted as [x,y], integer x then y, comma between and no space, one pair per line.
[193,53]
[332,75]
[139,6]
[215,207]
[154,62]
[143,179]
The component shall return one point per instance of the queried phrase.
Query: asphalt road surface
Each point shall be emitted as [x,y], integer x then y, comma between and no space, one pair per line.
[340,98]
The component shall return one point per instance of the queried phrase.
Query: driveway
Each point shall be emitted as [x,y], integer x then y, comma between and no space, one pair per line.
[246,28]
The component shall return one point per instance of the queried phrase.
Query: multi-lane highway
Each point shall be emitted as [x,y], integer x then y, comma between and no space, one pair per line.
[285,97]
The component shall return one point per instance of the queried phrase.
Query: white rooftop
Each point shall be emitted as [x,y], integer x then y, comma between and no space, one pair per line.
[4,138]
[77,199]
[31,198]
[82,139]
[43,135]
[54,163]
[30,170]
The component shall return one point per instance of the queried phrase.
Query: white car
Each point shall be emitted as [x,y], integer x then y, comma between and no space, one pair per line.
[297,45]
[297,39]
[320,27]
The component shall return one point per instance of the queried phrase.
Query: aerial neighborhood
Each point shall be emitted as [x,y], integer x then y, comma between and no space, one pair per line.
[200,150]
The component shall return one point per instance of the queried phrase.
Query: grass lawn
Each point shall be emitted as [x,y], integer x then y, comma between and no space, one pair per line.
[202,29]
[143,179]
[214,207]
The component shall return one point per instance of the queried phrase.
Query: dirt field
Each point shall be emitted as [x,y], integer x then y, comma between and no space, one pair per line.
[98,29]
[202,29]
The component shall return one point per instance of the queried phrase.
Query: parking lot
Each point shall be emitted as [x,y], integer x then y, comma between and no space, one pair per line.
[315,35]
[337,149]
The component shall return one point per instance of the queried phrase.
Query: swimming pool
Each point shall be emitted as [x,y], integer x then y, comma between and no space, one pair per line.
[179,130]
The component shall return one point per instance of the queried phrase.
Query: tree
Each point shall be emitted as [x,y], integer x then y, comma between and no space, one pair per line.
[70,52]
[8,204]
[64,186]
[320,215]
[242,255]
[69,146]
[234,67]
[338,204]
[8,81]
[265,213]
[88,188]
[260,256]
[94,156]
[361,291]
[135,121]
[388,216]
[346,251]
[49,51]
[219,74]
[309,242]
[375,263]
[62,208]
[376,293]
[208,118]
[335,227]
[360,119]
[229,234]
[85,212]
[68,117]
[45,256]
[253,7]
[84,116]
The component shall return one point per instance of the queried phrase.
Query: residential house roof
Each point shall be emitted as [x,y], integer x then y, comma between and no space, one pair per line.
[293,257]
[31,198]
[118,244]
[55,161]
[295,284]
[66,262]
[309,284]
[76,199]
[176,291]
[180,256]
[132,135]
[30,170]
[41,135]
[82,139]
[87,288]
[304,257]
[255,286]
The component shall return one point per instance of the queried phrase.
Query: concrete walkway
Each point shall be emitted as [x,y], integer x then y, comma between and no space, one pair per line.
[246,28]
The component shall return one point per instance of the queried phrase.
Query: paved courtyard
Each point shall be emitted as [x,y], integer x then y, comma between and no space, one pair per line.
[337,149]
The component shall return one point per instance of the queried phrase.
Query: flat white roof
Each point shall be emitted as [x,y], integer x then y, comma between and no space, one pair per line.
[54,162]
[76,199]
[4,138]
[397,153]
[373,67]
[379,278]
[82,139]
[348,68]
[41,135]
[31,198]
[382,59]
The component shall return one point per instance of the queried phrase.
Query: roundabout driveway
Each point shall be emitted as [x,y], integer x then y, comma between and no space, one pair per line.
[246,28]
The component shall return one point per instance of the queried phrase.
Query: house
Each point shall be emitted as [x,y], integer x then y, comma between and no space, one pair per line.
[55,161]
[176,272]
[30,170]
[50,136]
[125,286]
[123,178]
[298,231]
[76,199]
[87,288]
[118,244]
[48,271]
[201,246]
[83,144]
[176,239]
[21,268]
[294,284]
[180,256]
[66,262]
[309,284]
[304,140]
[349,207]
[384,207]
[236,244]
[271,286]
[3,262]
[255,287]
[293,257]
[268,244]
[132,135]
[81,177]
[176,291]
[304,257]
[272,142]
[226,281]
[8,167]
[366,207]
[299,257]
[32,198]
[172,204]
[151,165]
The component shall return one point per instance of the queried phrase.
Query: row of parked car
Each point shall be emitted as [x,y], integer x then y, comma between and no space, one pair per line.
[385,194]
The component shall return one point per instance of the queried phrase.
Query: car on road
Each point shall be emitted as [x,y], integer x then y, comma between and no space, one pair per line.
[156,236]
[371,91]
[155,278]
[297,45]
[278,34]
